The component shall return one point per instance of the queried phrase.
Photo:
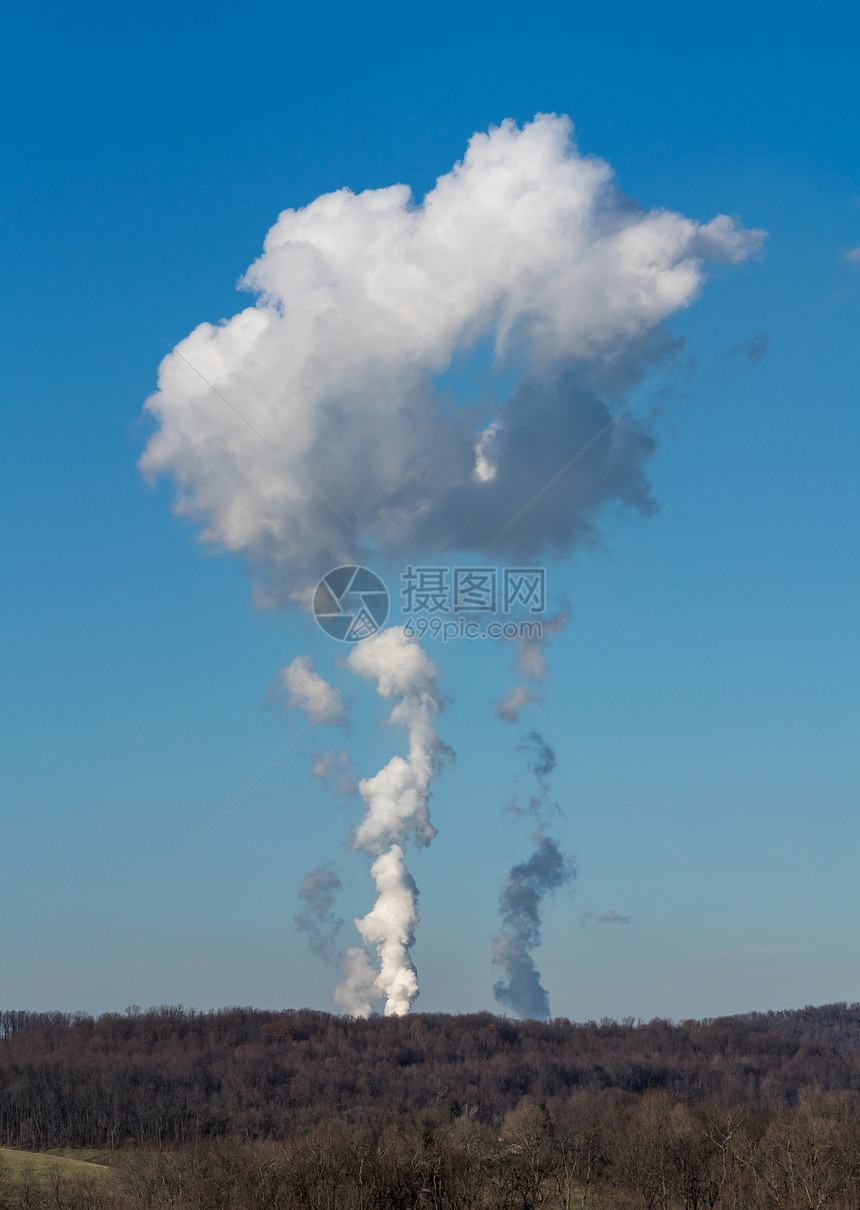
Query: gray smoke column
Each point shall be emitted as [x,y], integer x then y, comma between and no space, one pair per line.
[397,800]
[526,886]
[298,686]
[317,918]
[542,760]
[523,892]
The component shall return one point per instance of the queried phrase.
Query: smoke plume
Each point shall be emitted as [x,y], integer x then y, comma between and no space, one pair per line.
[334,770]
[527,884]
[531,668]
[520,906]
[542,761]
[397,800]
[317,918]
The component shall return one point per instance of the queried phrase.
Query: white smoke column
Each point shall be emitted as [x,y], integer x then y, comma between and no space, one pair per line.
[390,926]
[397,811]
[398,794]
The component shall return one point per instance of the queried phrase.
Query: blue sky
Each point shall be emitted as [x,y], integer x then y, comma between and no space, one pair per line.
[710,667]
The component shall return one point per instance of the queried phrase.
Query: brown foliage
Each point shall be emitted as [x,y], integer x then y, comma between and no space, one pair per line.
[241,1110]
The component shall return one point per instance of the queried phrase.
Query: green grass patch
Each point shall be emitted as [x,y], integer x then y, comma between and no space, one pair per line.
[44,1168]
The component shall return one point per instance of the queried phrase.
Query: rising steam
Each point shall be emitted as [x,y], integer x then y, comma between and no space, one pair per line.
[300,687]
[313,425]
[397,800]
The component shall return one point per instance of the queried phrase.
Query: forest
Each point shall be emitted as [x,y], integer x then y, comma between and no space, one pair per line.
[240,1109]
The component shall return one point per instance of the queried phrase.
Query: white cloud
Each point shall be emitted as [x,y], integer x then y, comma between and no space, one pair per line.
[363,299]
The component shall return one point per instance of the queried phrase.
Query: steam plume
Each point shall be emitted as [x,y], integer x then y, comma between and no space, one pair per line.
[301,687]
[397,811]
[390,926]
[357,990]
[314,420]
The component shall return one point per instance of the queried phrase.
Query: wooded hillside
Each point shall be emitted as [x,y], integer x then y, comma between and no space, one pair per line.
[449,1112]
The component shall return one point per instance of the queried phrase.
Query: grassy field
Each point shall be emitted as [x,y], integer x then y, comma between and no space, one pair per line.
[44,1168]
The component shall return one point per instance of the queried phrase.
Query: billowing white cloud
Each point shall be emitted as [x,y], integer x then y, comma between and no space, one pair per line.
[525,247]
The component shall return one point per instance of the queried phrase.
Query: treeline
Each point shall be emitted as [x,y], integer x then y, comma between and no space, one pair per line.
[603,1149]
[241,1109]
[608,1150]
[173,1076]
